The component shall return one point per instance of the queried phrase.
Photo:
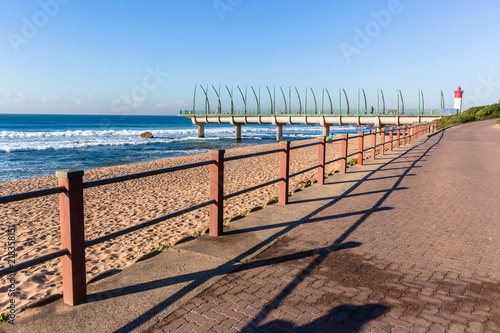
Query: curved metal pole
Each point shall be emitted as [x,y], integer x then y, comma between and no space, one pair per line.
[305,103]
[284,99]
[218,100]
[378,102]
[383,99]
[397,97]
[231,95]
[274,99]
[243,98]
[340,100]
[418,101]
[257,100]
[357,109]
[323,101]
[423,106]
[366,105]
[402,102]
[347,100]
[315,104]
[331,105]
[300,102]
[289,99]
[442,100]
[271,98]
[194,99]
[207,102]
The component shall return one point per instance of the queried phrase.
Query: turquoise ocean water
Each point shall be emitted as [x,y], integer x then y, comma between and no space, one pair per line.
[38,145]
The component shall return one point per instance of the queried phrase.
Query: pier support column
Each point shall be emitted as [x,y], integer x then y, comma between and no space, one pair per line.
[237,134]
[201,130]
[326,131]
[279,133]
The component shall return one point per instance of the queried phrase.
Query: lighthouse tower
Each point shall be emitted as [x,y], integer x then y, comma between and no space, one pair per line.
[458,99]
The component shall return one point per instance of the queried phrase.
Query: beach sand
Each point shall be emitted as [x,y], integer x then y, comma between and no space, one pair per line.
[117,206]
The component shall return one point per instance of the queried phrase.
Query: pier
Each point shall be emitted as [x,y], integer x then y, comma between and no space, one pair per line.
[324,120]
[323,114]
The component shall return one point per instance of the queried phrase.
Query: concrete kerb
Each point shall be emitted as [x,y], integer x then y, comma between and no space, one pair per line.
[138,296]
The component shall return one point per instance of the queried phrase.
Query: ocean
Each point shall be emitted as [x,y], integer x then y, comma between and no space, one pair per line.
[34,145]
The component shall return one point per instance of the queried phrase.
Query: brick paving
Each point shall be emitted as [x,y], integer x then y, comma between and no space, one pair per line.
[414,247]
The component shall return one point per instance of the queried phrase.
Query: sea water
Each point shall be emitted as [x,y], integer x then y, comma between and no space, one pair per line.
[33,145]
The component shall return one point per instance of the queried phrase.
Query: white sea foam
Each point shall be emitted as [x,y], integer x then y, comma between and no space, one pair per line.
[11,141]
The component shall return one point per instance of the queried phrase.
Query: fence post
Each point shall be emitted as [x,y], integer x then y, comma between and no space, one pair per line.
[404,136]
[72,236]
[321,159]
[343,154]
[391,138]
[413,133]
[361,141]
[382,139]
[374,143]
[284,172]
[398,134]
[216,192]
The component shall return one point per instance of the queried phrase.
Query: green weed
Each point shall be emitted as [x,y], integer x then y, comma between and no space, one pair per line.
[161,247]
[3,318]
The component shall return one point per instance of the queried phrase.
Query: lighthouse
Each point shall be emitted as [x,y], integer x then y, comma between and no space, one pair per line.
[458,99]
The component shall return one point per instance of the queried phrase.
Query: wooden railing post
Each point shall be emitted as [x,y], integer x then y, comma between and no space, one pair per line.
[374,143]
[413,133]
[321,159]
[391,138]
[72,236]
[284,172]
[404,136]
[398,135]
[382,139]
[343,153]
[361,143]
[216,192]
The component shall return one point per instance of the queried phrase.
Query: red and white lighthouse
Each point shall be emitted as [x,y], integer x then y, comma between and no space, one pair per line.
[458,99]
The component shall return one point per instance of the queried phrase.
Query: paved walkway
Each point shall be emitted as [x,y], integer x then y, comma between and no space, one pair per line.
[413,244]
[407,242]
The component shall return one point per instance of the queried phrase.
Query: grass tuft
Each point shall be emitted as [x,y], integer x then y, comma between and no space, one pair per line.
[161,247]
[4,318]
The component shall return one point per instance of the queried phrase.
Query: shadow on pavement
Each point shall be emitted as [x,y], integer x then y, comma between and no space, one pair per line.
[320,255]
[341,319]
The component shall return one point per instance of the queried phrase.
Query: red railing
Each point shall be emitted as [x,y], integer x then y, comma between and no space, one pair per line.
[71,188]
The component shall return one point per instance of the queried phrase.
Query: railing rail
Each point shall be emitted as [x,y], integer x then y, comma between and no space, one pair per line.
[71,196]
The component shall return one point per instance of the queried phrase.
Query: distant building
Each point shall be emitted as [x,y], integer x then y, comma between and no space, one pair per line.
[458,99]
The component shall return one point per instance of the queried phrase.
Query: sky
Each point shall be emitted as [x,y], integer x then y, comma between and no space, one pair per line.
[132,57]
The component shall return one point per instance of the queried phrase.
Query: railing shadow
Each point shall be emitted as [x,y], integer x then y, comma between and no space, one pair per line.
[341,319]
[199,278]
[319,259]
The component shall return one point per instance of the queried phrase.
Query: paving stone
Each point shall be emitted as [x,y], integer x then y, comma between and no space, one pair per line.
[397,253]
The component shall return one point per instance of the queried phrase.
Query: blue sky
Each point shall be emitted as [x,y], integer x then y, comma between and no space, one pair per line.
[115,57]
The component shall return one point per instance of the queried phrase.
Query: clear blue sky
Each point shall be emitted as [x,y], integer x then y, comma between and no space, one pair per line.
[69,56]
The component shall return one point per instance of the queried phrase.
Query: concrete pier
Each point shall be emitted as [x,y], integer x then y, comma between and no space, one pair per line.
[201,130]
[326,130]
[279,133]
[237,132]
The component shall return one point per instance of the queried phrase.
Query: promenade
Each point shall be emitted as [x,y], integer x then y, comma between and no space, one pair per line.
[409,241]
[412,245]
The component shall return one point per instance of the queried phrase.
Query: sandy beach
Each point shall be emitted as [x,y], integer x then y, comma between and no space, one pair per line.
[117,206]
